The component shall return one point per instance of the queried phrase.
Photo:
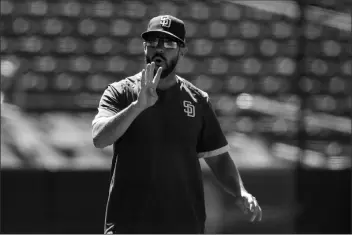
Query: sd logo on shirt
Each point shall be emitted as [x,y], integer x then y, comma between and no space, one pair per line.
[189,108]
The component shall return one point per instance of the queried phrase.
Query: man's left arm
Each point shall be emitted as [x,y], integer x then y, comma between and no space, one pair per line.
[227,174]
[213,147]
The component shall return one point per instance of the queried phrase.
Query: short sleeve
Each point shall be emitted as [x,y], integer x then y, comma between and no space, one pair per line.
[112,101]
[212,140]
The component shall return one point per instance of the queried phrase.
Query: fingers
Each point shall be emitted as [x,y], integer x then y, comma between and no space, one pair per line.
[143,80]
[254,215]
[149,72]
[257,214]
[149,77]
[252,204]
[157,77]
[249,204]
[146,74]
[256,210]
[260,213]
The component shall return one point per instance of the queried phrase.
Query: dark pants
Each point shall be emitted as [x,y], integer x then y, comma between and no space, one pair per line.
[157,228]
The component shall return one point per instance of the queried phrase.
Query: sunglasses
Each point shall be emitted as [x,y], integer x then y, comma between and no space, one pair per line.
[167,43]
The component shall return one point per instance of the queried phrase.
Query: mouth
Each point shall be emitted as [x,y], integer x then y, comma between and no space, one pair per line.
[158,60]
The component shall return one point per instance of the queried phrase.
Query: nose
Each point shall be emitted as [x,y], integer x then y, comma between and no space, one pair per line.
[160,46]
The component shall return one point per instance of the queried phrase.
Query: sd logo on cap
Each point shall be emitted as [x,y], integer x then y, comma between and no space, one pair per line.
[165,21]
[166,24]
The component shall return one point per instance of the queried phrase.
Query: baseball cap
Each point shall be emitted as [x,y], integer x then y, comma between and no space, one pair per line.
[166,24]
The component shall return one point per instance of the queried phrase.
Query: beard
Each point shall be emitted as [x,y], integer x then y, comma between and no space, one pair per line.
[167,68]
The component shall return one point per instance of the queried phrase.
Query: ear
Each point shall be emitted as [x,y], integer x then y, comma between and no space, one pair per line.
[183,50]
[145,47]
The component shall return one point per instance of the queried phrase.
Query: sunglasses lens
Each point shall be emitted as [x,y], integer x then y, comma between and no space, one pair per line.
[166,43]
[170,44]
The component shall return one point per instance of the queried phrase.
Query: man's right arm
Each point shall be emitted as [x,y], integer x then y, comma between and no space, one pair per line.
[106,130]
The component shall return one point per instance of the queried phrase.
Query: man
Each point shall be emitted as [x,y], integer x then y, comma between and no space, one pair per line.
[160,125]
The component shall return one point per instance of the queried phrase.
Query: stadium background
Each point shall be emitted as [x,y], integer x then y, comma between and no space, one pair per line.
[279,81]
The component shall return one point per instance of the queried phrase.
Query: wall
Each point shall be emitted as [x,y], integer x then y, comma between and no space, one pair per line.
[74,202]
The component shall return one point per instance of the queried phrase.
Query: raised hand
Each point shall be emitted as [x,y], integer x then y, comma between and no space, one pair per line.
[147,95]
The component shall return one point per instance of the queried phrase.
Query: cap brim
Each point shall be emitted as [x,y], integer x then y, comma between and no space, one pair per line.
[147,34]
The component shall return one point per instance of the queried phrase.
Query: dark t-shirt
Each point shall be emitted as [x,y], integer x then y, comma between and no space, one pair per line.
[156,179]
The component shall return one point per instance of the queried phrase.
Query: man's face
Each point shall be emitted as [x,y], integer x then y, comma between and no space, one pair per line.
[162,51]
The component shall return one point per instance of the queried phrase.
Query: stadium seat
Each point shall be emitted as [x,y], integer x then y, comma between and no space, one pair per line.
[69,51]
